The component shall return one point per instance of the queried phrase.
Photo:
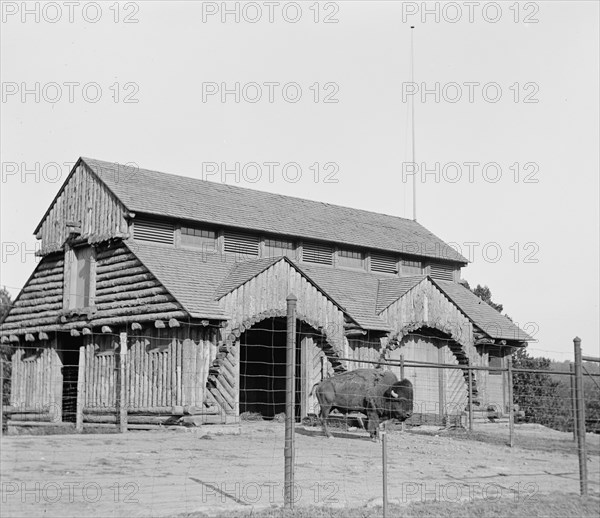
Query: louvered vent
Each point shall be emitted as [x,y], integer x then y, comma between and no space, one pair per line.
[441,271]
[317,253]
[154,231]
[384,263]
[242,244]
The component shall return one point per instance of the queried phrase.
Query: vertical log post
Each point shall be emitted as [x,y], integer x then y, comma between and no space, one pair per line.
[511,403]
[122,392]
[573,397]
[81,383]
[290,393]
[441,387]
[384,469]
[403,428]
[580,418]
[470,399]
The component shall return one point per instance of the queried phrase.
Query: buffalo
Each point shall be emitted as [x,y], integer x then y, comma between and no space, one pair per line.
[377,394]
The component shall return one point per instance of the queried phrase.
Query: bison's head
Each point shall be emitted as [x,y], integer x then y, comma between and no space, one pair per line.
[400,400]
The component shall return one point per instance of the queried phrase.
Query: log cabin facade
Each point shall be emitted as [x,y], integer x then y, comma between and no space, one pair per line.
[166,295]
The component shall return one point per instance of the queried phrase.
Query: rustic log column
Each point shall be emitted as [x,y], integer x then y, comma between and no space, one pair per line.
[122,391]
[290,400]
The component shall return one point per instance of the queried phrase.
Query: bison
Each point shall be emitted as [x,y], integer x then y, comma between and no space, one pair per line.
[373,392]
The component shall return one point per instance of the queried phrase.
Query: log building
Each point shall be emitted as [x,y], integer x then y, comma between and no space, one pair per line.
[165,296]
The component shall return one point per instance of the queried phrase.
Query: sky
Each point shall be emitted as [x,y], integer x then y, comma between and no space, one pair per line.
[312,99]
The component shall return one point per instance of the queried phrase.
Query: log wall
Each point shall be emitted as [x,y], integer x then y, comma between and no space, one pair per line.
[86,201]
[125,291]
[36,383]
[164,368]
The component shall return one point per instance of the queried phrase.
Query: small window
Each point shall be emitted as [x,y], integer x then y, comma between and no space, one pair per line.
[350,258]
[206,240]
[79,277]
[411,267]
[496,363]
[384,263]
[153,231]
[442,272]
[243,245]
[277,247]
[317,253]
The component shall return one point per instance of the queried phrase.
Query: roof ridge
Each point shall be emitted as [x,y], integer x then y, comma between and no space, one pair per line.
[238,188]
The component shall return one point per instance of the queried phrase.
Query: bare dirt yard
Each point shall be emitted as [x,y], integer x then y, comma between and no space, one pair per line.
[165,473]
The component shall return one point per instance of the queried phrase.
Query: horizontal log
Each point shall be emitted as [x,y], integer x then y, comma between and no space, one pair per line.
[129,264]
[48,264]
[137,286]
[123,281]
[133,300]
[57,277]
[49,272]
[31,296]
[130,293]
[44,286]
[31,310]
[135,310]
[8,409]
[45,417]
[20,422]
[120,272]
[43,298]
[112,251]
[133,419]
[42,319]
[116,259]
[36,328]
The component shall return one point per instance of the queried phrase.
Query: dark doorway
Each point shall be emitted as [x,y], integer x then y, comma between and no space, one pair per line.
[263,369]
[70,371]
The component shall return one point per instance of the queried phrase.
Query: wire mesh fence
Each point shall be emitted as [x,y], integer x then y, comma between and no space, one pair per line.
[150,378]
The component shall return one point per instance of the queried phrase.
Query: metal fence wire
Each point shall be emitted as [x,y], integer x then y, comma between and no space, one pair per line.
[279,362]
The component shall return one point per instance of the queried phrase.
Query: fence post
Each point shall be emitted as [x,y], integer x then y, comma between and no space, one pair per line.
[580,418]
[384,468]
[122,397]
[81,383]
[470,399]
[290,396]
[511,403]
[402,426]
[573,399]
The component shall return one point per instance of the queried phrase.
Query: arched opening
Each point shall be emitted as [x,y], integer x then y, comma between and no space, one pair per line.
[439,393]
[262,368]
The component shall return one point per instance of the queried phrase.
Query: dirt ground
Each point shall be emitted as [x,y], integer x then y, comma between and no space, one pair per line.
[165,473]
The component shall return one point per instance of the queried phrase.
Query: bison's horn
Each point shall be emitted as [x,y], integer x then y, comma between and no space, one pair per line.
[394,394]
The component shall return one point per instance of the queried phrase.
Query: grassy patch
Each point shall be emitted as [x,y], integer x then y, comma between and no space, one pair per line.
[550,506]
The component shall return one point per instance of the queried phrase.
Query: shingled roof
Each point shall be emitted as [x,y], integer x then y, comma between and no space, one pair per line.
[198,281]
[484,316]
[161,194]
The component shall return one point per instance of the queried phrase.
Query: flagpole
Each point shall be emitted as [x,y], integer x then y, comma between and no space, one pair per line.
[412,79]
